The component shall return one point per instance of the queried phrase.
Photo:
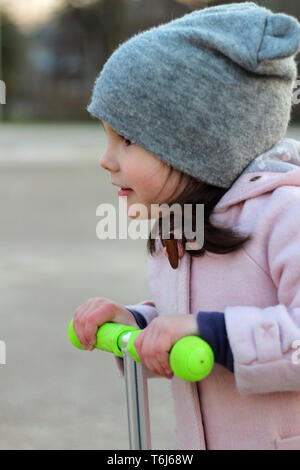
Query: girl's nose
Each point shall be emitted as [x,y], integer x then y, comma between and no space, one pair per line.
[108,163]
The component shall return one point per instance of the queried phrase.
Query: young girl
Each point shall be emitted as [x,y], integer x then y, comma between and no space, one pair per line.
[195,112]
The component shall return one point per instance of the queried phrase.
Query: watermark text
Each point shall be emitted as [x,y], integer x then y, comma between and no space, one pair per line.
[2,352]
[186,220]
[2,92]
[296,354]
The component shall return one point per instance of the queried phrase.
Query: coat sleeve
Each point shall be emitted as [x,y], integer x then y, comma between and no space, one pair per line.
[146,309]
[265,341]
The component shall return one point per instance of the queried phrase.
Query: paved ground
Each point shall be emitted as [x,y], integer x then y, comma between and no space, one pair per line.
[53,396]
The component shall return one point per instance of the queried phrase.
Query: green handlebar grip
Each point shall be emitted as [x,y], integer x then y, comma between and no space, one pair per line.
[130,345]
[107,337]
[191,358]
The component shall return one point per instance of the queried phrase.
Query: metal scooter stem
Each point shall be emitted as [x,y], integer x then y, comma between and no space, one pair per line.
[137,401]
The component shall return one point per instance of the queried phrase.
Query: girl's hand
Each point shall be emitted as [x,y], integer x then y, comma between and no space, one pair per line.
[156,340]
[93,313]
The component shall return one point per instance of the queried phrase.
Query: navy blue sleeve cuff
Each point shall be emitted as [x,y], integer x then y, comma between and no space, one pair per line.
[212,329]
[141,321]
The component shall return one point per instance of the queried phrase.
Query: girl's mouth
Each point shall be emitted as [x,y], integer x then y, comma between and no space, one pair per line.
[125,191]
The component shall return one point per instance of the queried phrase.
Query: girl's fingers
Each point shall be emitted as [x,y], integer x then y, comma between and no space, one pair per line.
[79,323]
[90,331]
[78,330]
[145,343]
[147,347]
[84,322]
[164,366]
[158,367]
[160,352]
[154,366]
[95,318]
[85,337]
[163,360]
[83,340]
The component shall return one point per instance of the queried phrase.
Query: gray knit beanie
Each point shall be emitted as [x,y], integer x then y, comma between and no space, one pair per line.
[205,93]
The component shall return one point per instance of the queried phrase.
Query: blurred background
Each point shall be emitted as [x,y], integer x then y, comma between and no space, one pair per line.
[53,396]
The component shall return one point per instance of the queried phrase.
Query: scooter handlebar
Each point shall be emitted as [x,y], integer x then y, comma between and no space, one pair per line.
[191,358]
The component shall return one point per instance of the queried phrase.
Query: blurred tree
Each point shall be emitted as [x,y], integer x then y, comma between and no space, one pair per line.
[196,3]
[13,59]
[289,7]
[50,71]
[62,58]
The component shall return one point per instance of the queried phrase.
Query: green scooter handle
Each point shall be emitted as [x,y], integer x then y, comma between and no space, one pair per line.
[191,358]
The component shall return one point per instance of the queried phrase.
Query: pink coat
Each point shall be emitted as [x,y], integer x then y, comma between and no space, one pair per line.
[258,289]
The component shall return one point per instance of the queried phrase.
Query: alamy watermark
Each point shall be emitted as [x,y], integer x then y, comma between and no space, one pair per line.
[2,352]
[296,354]
[2,92]
[176,219]
[295,99]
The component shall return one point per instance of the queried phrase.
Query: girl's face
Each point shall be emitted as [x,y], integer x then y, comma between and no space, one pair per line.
[130,166]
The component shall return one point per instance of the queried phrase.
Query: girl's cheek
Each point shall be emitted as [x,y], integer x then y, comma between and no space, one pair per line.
[145,175]
[140,182]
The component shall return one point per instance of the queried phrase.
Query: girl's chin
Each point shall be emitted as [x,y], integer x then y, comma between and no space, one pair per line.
[137,210]
[137,213]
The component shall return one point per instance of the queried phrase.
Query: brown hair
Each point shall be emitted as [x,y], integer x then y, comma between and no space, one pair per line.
[219,240]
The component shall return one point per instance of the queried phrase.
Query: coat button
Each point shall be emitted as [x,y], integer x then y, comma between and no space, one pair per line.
[255,178]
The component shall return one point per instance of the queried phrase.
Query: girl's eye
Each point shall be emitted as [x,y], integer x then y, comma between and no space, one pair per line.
[127,142]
